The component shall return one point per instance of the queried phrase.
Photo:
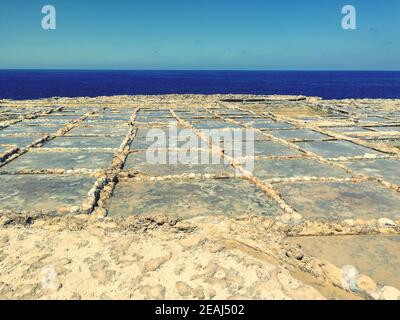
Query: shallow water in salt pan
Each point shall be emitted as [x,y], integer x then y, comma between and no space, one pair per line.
[335,201]
[42,192]
[190,198]
[60,160]
[377,256]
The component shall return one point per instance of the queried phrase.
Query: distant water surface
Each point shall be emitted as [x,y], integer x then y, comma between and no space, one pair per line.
[21,84]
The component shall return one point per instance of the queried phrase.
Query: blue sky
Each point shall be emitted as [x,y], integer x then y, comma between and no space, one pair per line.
[201,34]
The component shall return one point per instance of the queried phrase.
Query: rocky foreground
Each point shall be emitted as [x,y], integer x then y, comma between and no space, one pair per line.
[164,258]
[155,258]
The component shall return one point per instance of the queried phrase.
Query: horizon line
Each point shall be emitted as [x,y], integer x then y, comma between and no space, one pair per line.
[199,70]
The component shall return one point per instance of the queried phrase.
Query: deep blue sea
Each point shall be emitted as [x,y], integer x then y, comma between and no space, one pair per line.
[327,84]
